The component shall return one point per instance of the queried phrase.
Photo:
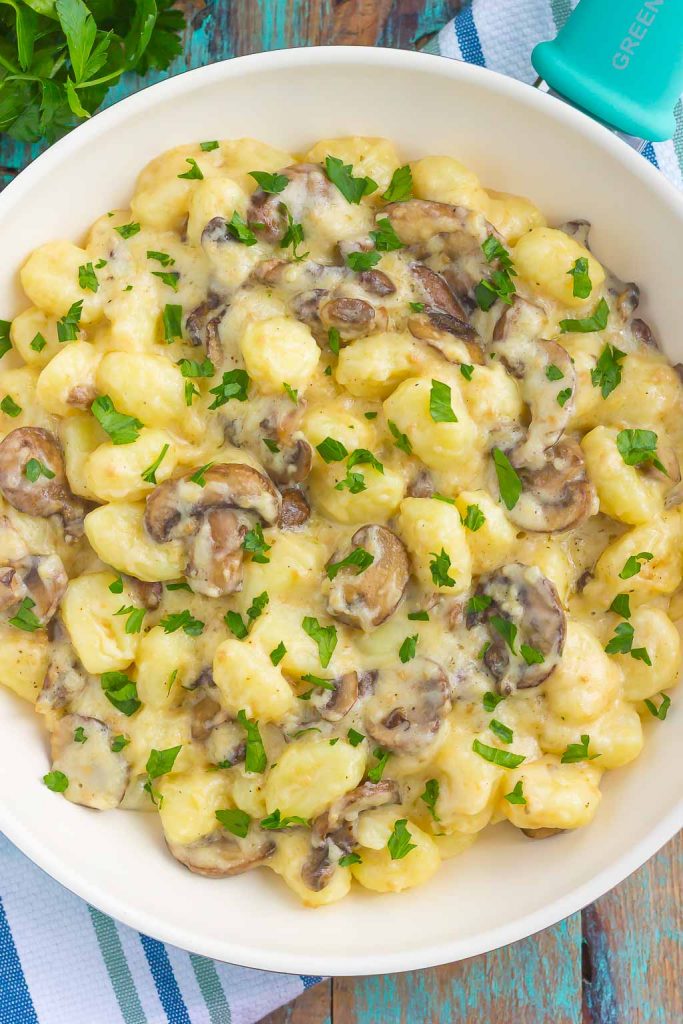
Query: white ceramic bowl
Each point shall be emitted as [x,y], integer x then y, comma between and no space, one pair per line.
[518,140]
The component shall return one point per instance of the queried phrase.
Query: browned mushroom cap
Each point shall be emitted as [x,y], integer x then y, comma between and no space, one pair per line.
[43,497]
[295,509]
[558,495]
[221,854]
[308,187]
[334,832]
[425,226]
[202,326]
[520,596]
[291,463]
[212,520]
[65,677]
[306,307]
[376,282]
[367,598]
[436,291]
[41,578]
[287,459]
[97,775]
[148,594]
[352,317]
[409,706]
[443,332]
[333,705]
[542,833]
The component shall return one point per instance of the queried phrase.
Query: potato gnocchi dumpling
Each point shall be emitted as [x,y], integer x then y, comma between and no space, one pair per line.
[340,513]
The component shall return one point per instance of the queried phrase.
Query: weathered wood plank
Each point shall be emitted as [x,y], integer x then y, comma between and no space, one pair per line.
[536,981]
[633,947]
[313,1007]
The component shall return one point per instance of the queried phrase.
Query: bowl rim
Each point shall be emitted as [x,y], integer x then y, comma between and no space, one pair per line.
[435,953]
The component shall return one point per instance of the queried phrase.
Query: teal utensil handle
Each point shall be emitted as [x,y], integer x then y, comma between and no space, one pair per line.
[620,60]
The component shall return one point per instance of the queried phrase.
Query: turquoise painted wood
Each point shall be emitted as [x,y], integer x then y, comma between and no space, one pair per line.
[621,961]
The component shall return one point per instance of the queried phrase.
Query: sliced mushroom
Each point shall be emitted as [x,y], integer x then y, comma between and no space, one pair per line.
[352,317]
[212,521]
[65,677]
[422,485]
[334,705]
[41,578]
[295,509]
[202,327]
[557,496]
[429,227]
[520,596]
[308,187]
[436,290]
[97,775]
[81,396]
[291,463]
[220,854]
[306,307]
[542,833]
[43,497]
[367,598]
[376,282]
[409,705]
[447,334]
[149,594]
[334,832]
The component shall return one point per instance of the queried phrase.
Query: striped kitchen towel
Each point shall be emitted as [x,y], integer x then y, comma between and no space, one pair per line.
[501,34]
[62,961]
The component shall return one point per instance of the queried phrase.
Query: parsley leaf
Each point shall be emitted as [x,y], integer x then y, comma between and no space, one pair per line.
[271,183]
[182,620]
[324,636]
[255,544]
[430,796]
[516,795]
[119,742]
[638,448]
[607,372]
[553,372]
[67,326]
[359,558]
[240,230]
[128,230]
[341,175]
[581,284]
[193,368]
[171,319]
[278,653]
[348,859]
[384,237]
[276,821]
[439,566]
[255,760]
[400,186]
[596,322]
[331,450]
[122,429]
[354,737]
[504,758]
[361,261]
[207,147]
[194,171]
[466,370]
[506,629]
[57,781]
[578,752]
[474,518]
[87,278]
[35,468]
[161,257]
[419,616]
[564,396]
[399,844]
[440,407]
[491,701]
[235,821]
[121,691]
[501,731]
[478,603]
[10,407]
[135,617]
[408,648]
[291,392]
[632,565]
[621,606]
[509,483]
[149,474]
[294,236]
[659,712]
[235,384]
[377,771]
[24,618]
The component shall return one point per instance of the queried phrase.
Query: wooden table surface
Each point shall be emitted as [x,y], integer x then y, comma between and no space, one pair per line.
[619,961]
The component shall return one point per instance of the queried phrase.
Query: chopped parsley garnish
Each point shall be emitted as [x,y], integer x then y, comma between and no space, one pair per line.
[478,603]
[271,183]
[596,322]
[57,781]
[408,648]
[234,821]
[255,544]
[26,619]
[633,564]
[581,284]
[116,586]
[10,407]
[607,372]
[377,771]
[331,450]
[207,147]
[198,477]
[87,278]
[531,655]
[466,370]
[503,758]
[659,712]
[5,342]
[193,368]
[149,474]
[354,737]
[235,622]
[474,518]
[122,429]
[171,319]
[501,731]
[291,392]
[348,859]
[121,691]
[509,483]
[491,701]
[194,171]
[191,392]
[271,445]
[294,236]
[276,821]
[159,762]
[240,230]
[399,844]
[119,742]
[161,257]
[564,396]
[128,230]
[182,585]
[506,629]
[439,566]
[440,407]
[341,175]
[621,606]
[553,372]
[400,186]
[182,620]
[417,307]
[430,796]
[67,326]
[500,284]
[135,617]
[385,238]
[639,448]
[324,636]
[484,648]
[516,795]
[38,343]
[35,468]
[420,616]
[622,643]
[278,653]
[358,558]
[360,261]
[255,760]
[168,277]
[578,752]
[235,384]
[443,497]
[334,340]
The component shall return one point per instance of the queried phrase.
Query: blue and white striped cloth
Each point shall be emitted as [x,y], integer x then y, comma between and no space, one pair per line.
[62,961]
